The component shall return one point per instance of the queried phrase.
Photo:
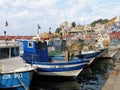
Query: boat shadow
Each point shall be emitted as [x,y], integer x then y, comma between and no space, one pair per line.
[41,82]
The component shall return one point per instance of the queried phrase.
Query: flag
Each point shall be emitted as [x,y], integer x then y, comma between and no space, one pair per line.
[6,24]
[5,33]
[39,26]
[50,32]
[49,28]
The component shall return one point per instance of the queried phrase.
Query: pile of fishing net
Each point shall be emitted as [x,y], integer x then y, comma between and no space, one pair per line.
[74,46]
[106,43]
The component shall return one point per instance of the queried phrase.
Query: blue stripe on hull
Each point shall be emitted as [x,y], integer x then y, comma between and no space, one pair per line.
[88,55]
[64,63]
[61,69]
[13,80]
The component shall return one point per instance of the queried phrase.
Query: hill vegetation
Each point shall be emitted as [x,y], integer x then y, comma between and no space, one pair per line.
[73,24]
[102,21]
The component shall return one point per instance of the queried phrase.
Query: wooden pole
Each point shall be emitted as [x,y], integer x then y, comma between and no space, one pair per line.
[67,56]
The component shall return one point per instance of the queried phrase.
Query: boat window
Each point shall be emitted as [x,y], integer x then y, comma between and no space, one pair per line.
[50,43]
[41,45]
[30,44]
[4,53]
[57,43]
[14,51]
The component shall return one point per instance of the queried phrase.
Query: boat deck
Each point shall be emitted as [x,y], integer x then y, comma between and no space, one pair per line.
[11,64]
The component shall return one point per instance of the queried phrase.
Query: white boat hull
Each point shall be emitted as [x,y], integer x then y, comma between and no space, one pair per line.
[71,69]
[73,73]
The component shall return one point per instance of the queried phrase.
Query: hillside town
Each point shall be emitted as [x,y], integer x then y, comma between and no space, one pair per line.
[66,29]
[112,28]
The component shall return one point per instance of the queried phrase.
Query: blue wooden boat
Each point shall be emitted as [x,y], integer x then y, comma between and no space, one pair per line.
[36,53]
[14,72]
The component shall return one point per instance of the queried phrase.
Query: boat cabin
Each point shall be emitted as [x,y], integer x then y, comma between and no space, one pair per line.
[14,71]
[8,51]
[36,50]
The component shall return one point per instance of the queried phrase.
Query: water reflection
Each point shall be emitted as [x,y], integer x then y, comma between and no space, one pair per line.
[91,78]
[54,83]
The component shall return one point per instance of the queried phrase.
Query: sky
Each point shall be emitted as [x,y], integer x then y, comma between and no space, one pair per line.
[23,16]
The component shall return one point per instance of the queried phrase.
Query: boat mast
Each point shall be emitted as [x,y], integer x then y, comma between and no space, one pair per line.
[38,30]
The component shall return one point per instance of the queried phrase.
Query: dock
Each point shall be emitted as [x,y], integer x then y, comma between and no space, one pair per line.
[113,80]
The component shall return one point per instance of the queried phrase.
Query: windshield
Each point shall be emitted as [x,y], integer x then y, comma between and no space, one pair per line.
[14,51]
[4,53]
[9,52]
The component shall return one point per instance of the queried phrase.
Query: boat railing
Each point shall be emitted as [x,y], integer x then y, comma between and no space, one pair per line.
[2,42]
[31,58]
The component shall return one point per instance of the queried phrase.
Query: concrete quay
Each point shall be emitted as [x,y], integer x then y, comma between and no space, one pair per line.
[113,80]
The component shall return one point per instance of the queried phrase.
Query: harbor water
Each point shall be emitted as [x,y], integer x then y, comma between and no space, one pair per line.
[91,78]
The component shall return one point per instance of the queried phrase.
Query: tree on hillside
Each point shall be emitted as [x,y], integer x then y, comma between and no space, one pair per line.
[99,21]
[73,24]
[58,30]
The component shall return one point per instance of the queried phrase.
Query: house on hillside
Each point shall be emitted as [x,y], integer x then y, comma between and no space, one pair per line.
[114,28]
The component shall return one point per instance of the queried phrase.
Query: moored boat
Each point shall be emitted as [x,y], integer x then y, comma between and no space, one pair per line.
[14,72]
[36,53]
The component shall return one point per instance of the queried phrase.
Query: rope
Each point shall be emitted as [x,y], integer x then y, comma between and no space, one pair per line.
[24,86]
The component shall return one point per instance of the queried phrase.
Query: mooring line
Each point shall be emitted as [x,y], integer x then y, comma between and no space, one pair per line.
[25,87]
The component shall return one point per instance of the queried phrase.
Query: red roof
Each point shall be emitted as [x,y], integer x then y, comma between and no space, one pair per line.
[15,37]
[115,35]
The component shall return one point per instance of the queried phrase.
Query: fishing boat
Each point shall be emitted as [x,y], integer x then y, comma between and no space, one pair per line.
[36,54]
[74,46]
[107,47]
[14,72]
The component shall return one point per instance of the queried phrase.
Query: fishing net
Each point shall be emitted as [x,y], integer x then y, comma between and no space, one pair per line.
[106,43]
[74,46]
